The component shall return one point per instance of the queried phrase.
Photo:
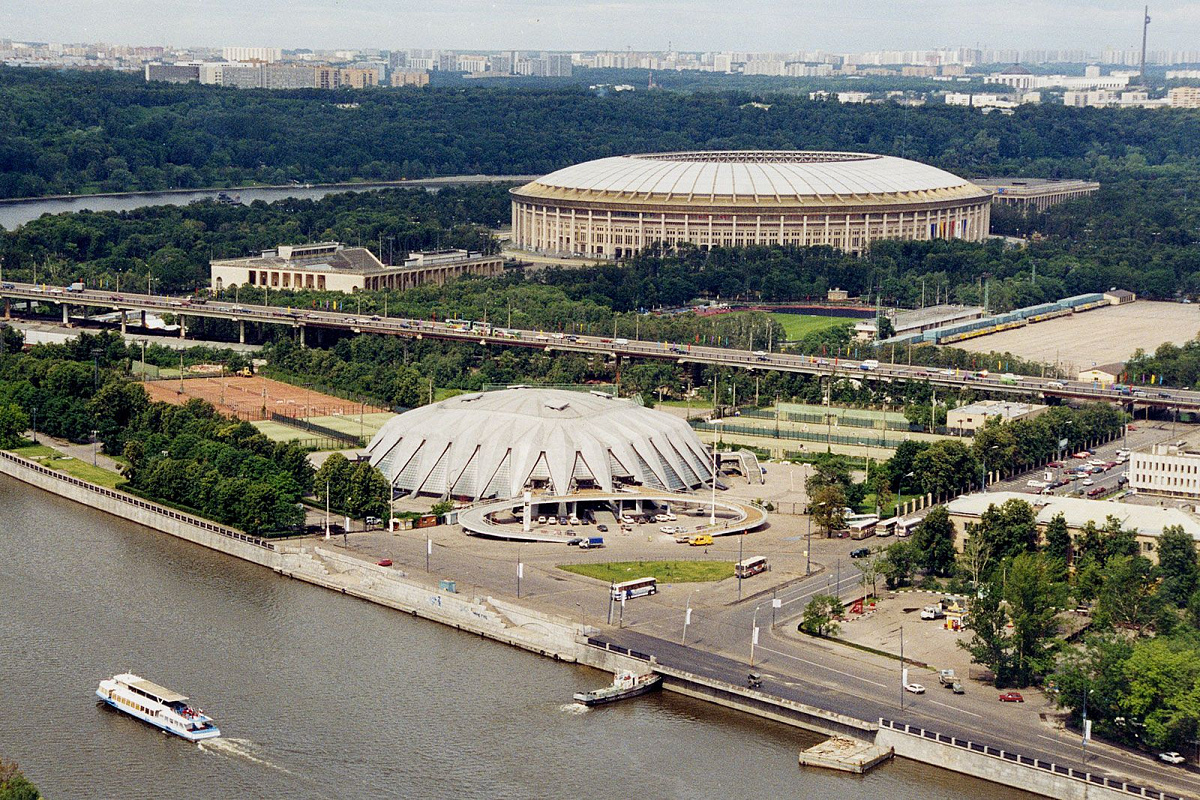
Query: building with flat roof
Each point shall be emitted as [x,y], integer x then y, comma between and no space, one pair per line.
[1146,521]
[1036,193]
[334,267]
[972,417]
[1184,97]
[1169,469]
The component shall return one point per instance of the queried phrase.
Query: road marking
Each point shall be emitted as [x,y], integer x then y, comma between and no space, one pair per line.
[954,708]
[822,666]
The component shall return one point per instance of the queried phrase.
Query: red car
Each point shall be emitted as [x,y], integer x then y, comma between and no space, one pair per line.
[384,562]
[1011,697]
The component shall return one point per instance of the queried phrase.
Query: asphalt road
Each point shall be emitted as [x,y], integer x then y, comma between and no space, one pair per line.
[610,346]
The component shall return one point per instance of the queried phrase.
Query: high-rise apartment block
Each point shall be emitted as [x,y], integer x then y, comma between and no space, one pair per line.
[267,55]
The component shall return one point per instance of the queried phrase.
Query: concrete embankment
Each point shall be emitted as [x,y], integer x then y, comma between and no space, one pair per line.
[564,639]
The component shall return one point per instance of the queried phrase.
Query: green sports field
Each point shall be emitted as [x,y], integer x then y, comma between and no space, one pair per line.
[797,326]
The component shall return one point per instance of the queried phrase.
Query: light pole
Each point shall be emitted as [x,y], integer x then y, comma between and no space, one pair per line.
[712,514]
[741,537]
[1087,728]
[753,635]
[94,447]
[35,425]
[687,619]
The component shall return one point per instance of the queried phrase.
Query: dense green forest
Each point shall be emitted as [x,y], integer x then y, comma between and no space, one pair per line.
[189,456]
[75,131]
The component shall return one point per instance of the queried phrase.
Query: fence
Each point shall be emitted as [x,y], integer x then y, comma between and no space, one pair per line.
[1048,767]
[862,439]
[837,416]
[137,502]
[320,430]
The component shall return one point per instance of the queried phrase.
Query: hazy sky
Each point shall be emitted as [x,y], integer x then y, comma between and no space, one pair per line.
[756,25]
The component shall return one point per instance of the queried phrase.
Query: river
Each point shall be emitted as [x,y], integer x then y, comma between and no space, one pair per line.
[320,695]
[14,213]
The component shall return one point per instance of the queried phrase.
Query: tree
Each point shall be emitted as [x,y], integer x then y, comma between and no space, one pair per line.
[933,542]
[828,509]
[819,615]
[944,467]
[335,474]
[1177,571]
[1010,528]
[441,508]
[1126,594]
[367,492]
[976,557]
[13,423]
[1033,601]
[1057,547]
[869,569]
[898,563]
[989,644]
[14,785]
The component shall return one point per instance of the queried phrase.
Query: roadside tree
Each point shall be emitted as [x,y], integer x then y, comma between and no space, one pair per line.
[933,543]
[820,615]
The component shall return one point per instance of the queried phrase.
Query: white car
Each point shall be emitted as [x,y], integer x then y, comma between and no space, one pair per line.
[660,517]
[1088,482]
[667,529]
[671,517]
[915,688]
[542,519]
[1171,758]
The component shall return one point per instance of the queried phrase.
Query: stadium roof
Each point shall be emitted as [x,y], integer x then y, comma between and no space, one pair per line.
[497,444]
[781,176]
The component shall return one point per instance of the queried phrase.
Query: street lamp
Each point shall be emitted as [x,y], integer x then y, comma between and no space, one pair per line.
[94,447]
[808,544]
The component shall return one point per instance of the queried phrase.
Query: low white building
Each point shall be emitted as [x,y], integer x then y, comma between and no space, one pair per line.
[1169,469]
[331,266]
[972,417]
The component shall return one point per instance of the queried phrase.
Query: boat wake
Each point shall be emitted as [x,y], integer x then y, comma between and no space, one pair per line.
[574,708]
[243,749]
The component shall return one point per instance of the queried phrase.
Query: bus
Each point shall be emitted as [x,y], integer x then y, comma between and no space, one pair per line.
[751,566]
[886,527]
[861,529]
[850,518]
[906,526]
[635,588]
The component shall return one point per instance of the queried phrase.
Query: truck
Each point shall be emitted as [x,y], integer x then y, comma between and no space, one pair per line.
[932,612]
[946,677]
[591,542]
[77,286]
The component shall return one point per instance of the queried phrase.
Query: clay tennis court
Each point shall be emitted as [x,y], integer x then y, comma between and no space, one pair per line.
[255,398]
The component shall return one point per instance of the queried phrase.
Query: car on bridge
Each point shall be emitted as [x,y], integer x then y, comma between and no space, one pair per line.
[1171,758]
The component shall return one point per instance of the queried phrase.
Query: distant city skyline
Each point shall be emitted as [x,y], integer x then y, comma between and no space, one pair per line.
[697,25]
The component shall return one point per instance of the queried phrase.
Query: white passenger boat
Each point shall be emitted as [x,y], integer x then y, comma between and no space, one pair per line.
[160,707]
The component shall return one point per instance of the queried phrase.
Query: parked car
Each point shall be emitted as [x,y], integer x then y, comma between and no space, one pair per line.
[1011,697]
[602,528]
[1171,757]
[915,688]
[861,552]
[957,688]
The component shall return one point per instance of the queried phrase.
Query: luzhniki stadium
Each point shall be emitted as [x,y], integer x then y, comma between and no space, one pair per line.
[614,207]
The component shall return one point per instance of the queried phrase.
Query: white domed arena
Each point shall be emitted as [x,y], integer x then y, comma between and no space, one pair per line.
[614,207]
[500,444]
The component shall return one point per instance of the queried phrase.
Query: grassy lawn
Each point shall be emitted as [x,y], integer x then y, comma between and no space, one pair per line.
[797,326]
[34,451]
[83,470]
[664,571]
[867,506]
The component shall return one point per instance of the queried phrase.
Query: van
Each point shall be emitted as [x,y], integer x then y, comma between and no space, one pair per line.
[869,364]
[620,341]
[701,540]
[591,542]
[1055,385]
[932,612]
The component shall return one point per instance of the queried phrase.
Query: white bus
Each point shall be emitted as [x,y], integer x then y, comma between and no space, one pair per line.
[906,526]
[862,528]
[886,527]
[635,588]
[751,566]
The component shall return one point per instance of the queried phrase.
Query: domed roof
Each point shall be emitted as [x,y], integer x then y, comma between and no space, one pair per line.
[496,444]
[787,177]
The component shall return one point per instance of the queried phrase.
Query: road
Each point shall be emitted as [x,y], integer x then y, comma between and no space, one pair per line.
[482,333]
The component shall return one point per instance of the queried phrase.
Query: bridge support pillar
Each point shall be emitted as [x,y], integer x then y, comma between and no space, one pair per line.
[241,331]
[143,318]
[301,335]
[7,308]
[182,327]
[66,309]
[124,323]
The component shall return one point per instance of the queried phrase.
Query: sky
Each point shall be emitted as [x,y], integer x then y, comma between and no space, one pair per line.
[742,25]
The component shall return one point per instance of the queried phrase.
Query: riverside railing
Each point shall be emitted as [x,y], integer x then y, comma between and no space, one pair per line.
[131,500]
[1131,789]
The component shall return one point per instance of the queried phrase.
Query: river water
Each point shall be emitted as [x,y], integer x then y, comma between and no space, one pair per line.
[320,695]
[15,213]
